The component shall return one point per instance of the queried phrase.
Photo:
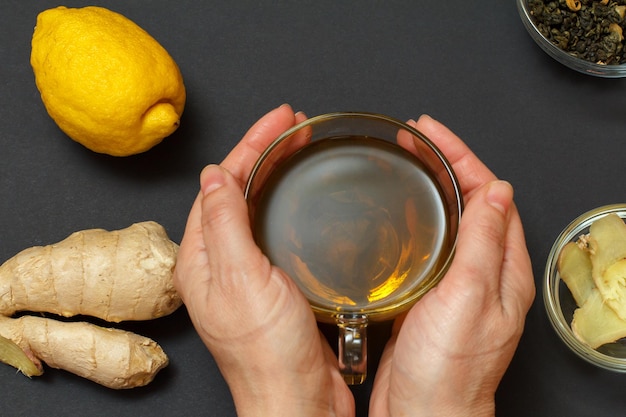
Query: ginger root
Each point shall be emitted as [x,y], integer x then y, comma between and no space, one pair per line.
[115,276]
[114,358]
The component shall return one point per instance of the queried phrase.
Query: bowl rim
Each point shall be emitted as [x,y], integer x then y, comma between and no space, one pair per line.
[552,280]
[578,64]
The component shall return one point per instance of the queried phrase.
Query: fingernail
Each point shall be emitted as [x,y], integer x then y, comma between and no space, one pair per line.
[500,195]
[211,179]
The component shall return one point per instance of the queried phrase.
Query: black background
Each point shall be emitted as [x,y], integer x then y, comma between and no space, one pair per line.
[555,134]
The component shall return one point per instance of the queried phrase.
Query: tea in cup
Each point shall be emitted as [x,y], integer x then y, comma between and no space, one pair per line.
[362,212]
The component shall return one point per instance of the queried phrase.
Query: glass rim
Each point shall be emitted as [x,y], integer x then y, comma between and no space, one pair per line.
[363,115]
[456,194]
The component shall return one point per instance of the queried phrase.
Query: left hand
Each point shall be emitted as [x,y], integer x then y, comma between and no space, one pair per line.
[251,316]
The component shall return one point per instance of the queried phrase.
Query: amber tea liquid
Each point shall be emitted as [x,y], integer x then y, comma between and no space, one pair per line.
[356,222]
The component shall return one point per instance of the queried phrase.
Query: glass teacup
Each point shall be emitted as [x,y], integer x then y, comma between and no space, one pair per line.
[362,212]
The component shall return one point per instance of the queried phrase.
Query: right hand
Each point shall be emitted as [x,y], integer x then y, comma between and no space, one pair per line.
[447,356]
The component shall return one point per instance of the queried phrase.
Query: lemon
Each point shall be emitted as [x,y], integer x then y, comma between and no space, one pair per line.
[105,81]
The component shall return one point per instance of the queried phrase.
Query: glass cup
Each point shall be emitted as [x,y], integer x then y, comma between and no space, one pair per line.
[362,212]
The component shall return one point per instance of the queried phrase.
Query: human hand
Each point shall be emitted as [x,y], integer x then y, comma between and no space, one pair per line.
[251,316]
[447,356]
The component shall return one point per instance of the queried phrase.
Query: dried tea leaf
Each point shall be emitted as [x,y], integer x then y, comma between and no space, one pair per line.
[581,27]
[574,265]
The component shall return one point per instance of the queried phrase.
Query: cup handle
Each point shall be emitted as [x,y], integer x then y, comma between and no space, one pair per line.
[352,347]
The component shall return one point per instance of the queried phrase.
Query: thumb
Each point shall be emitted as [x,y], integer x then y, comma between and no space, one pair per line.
[482,235]
[231,250]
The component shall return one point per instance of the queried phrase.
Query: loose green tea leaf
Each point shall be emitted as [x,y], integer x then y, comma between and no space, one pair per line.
[586,29]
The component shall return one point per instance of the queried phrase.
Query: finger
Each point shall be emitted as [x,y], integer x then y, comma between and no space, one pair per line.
[243,156]
[289,145]
[186,274]
[518,286]
[470,171]
[193,227]
[477,267]
[231,250]
[379,406]
[300,117]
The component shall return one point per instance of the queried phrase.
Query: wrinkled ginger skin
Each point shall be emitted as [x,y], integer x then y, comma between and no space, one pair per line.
[113,358]
[115,276]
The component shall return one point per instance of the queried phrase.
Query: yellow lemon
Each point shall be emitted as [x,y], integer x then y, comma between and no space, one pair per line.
[105,81]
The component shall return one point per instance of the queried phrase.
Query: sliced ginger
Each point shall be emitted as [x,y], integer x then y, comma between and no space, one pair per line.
[596,323]
[594,270]
[574,266]
[607,246]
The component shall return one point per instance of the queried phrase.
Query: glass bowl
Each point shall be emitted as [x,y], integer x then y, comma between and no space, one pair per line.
[560,304]
[578,64]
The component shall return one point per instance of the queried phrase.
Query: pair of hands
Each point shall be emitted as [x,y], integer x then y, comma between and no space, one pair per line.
[446,356]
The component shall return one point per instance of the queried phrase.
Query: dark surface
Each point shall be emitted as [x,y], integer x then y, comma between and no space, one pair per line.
[557,135]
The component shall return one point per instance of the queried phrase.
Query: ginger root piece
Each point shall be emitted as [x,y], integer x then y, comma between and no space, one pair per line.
[114,358]
[607,245]
[118,275]
[596,324]
[574,265]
